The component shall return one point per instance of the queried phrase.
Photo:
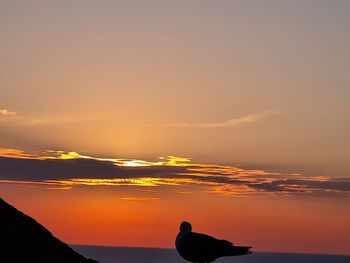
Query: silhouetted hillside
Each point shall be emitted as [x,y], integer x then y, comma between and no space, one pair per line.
[22,239]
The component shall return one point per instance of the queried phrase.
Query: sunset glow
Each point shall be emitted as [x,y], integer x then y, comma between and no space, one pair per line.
[121,117]
[154,186]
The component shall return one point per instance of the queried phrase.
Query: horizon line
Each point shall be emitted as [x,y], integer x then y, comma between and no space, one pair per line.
[256,251]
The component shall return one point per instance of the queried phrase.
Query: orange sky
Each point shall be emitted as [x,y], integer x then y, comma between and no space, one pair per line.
[146,209]
[102,217]
[118,120]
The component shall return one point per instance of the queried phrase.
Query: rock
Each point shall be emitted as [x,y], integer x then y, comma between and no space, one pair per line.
[22,239]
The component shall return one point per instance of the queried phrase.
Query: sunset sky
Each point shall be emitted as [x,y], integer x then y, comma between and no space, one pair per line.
[120,119]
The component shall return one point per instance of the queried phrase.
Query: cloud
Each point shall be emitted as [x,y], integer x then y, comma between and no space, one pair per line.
[40,119]
[4,112]
[139,198]
[252,118]
[60,170]
[56,119]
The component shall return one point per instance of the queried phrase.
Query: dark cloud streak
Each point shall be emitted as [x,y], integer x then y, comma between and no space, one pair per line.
[57,170]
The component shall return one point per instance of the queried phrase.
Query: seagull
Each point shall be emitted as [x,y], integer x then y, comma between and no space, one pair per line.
[201,248]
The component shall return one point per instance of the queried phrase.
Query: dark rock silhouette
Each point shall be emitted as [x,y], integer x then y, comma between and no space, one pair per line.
[202,248]
[22,239]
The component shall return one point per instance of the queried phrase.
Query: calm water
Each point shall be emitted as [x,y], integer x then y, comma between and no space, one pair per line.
[154,255]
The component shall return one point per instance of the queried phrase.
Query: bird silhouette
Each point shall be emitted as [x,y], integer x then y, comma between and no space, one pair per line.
[201,248]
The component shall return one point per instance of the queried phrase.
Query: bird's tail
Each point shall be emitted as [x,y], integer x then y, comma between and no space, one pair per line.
[240,250]
[243,250]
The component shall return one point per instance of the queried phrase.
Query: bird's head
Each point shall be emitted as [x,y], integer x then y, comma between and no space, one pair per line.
[185,227]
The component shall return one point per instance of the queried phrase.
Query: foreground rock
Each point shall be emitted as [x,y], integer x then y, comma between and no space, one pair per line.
[22,239]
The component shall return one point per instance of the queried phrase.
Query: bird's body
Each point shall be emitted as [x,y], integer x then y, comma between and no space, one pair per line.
[196,247]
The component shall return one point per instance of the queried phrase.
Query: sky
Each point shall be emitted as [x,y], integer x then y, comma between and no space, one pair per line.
[136,115]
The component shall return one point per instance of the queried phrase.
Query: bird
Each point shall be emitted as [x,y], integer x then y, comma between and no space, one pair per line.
[201,248]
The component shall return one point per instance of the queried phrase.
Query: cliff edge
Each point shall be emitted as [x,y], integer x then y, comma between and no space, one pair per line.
[22,239]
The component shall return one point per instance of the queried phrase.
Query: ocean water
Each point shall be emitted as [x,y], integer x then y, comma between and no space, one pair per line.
[155,255]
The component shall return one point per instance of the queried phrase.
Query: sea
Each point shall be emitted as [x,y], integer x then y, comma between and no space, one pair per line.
[160,255]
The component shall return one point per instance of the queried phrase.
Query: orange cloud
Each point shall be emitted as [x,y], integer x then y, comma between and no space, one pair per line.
[15,153]
[64,170]
[252,118]
[4,112]
[139,198]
